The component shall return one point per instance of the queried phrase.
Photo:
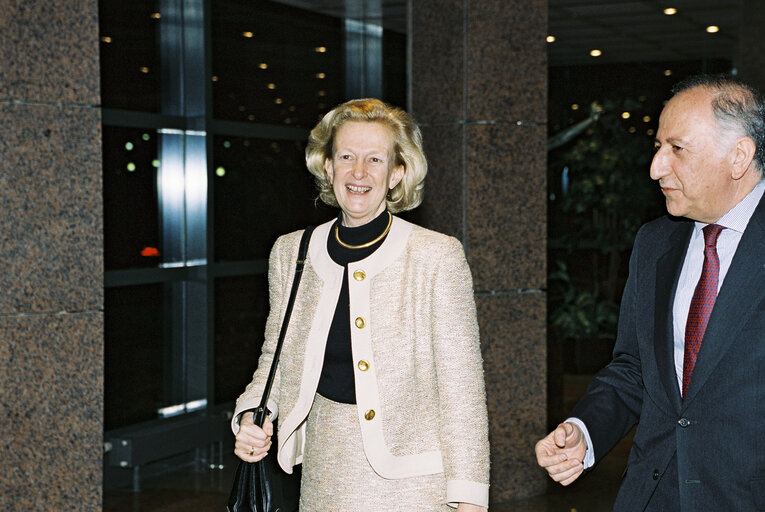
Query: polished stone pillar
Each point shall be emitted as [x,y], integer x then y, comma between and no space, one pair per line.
[479,90]
[51,298]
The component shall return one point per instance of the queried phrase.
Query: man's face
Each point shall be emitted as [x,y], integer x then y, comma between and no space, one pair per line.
[694,158]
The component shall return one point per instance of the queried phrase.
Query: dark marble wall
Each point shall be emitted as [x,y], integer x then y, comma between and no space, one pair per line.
[51,298]
[479,90]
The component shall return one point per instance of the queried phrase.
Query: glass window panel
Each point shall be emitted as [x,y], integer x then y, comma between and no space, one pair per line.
[135,348]
[264,191]
[130,74]
[275,64]
[131,224]
[241,307]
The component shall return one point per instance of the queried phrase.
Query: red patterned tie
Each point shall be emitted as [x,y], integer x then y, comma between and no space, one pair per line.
[702,303]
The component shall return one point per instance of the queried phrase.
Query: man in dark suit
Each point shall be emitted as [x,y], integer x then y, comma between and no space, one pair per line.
[689,359]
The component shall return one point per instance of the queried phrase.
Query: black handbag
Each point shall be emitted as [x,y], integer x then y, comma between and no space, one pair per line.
[263,486]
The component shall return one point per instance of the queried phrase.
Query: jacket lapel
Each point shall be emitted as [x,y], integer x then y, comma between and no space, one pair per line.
[737,299]
[668,269]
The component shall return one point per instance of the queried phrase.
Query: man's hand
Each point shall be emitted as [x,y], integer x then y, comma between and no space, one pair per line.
[561,453]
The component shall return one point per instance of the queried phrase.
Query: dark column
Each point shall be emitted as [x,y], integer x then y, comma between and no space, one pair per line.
[479,89]
[51,298]
[750,60]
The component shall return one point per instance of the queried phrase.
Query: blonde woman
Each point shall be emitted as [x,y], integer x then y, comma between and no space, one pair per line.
[380,391]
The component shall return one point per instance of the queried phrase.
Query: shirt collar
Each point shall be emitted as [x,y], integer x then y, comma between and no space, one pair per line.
[738,217]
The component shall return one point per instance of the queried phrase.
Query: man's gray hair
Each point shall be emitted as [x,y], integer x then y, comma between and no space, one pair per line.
[737,106]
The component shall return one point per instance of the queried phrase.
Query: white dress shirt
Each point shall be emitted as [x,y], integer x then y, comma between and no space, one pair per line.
[734,222]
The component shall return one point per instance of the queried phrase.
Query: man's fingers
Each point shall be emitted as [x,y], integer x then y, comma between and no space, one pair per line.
[572,478]
[551,460]
[565,472]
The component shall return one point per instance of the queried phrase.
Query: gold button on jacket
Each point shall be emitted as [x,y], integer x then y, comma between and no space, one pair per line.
[360,323]
[359,275]
[369,415]
[363,365]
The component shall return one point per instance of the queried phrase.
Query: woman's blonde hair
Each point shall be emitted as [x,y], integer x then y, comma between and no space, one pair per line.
[407,141]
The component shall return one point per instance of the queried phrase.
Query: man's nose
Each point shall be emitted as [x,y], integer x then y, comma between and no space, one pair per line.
[659,166]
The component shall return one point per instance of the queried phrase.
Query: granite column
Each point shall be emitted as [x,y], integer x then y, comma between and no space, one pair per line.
[479,90]
[51,285]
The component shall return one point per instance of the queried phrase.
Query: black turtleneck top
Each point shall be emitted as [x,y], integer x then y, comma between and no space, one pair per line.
[337,381]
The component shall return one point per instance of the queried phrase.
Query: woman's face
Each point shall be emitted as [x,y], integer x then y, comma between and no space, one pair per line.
[362,170]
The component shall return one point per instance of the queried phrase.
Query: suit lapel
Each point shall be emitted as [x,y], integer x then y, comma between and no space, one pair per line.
[738,297]
[668,269]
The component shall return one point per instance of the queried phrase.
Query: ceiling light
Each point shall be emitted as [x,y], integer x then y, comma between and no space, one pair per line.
[646,119]
[278,101]
[625,115]
[144,69]
[669,11]
[155,15]
[575,106]
[649,132]
[595,53]
[106,39]
[272,86]
[263,65]
[320,75]
[713,29]
[214,78]
[632,129]
[247,34]
[550,39]
[667,72]
[320,49]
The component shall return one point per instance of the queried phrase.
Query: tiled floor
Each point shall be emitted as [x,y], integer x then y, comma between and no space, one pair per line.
[186,491]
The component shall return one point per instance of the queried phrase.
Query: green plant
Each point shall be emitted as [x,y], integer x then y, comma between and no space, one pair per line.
[581,314]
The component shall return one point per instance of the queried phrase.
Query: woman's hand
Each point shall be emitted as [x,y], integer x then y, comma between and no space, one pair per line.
[252,442]
[469,507]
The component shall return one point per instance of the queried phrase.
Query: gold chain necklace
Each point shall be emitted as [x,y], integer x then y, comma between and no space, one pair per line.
[368,244]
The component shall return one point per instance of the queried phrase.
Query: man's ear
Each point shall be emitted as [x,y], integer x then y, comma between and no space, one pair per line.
[744,154]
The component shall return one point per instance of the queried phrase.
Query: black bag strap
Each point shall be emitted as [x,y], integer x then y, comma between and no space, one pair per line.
[262,411]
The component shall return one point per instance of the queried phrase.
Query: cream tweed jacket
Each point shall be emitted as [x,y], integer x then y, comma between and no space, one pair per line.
[414,338]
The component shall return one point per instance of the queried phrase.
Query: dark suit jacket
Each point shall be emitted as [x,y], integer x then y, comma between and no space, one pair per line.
[707,451]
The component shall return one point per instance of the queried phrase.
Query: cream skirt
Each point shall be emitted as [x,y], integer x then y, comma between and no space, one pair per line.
[337,476]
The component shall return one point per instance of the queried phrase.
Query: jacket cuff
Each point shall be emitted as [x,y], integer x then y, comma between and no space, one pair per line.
[245,406]
[466,491]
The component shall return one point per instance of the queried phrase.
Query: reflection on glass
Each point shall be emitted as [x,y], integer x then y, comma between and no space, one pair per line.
[135,349]
[241,307]
[129,53]
[266,64]
[266,191]
[131,225]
